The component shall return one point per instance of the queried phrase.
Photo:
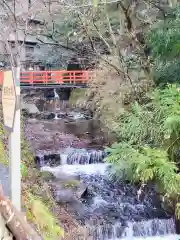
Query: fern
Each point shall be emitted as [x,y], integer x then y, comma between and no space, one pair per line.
[149,135]
[145,165]
[140,126]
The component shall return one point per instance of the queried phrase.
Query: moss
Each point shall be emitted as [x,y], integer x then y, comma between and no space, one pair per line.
[71,183]
[39,213]
[38,200]
[76,95]
[47,175]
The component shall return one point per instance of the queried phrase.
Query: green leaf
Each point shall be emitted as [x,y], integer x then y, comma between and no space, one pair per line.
[24,171]
[95,3]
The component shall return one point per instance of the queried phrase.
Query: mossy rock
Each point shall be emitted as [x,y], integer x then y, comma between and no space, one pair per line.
[47,175]
[71,183]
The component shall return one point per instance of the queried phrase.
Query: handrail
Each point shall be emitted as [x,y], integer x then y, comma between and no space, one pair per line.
[53,77]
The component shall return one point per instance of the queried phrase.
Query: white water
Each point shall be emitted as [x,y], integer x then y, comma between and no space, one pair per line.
[89,169]
[163,229]
[76,115]
[158,228]
[168,237]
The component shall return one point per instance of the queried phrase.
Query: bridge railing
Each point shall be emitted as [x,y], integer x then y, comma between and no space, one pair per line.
[54,77]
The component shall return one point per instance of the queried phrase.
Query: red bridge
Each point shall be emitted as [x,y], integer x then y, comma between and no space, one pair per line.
[54,79]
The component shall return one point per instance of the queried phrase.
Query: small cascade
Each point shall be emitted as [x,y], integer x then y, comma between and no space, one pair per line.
[86,157]
[56,96]
[71,157]
[111,210]
[153,227]
[56,116]
[77,115]
[47,160]
[149,228]
[72,116]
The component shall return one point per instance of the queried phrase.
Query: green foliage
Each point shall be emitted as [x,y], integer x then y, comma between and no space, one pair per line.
[144,165]
[38,211]
[24,171]
[164,38]
[155,123]
[71,184]
[44,220]
[141,125]
[178,210]
[76,95]
[148,136]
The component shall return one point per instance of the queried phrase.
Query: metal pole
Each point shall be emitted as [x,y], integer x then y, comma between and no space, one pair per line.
[15,150]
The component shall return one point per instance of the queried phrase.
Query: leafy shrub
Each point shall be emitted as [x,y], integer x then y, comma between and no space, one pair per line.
[148,136]
[144,165]
[164,39]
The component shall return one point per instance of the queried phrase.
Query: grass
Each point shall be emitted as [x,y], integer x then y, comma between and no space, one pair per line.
[76,95]
[38,208]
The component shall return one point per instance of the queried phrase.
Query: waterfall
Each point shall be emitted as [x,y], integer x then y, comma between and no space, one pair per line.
[149,228]
[85,157]
[56,96]
[71,157]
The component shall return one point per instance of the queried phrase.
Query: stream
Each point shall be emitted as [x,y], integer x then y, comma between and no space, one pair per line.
[69,150]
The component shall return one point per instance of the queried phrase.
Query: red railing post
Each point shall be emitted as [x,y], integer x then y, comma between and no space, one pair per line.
[1,77]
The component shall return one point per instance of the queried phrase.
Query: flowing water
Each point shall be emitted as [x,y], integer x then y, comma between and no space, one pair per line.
[108,209]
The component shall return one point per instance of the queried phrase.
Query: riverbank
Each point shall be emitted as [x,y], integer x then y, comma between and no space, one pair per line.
[80,183]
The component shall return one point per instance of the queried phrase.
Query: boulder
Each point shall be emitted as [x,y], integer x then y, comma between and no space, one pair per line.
[40,103]
[77,189]
[62,115]
[81,190]
[30,107]
[49,116]
[25,112]
[66,187]
[52,159]
[64,195]
[66,177]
